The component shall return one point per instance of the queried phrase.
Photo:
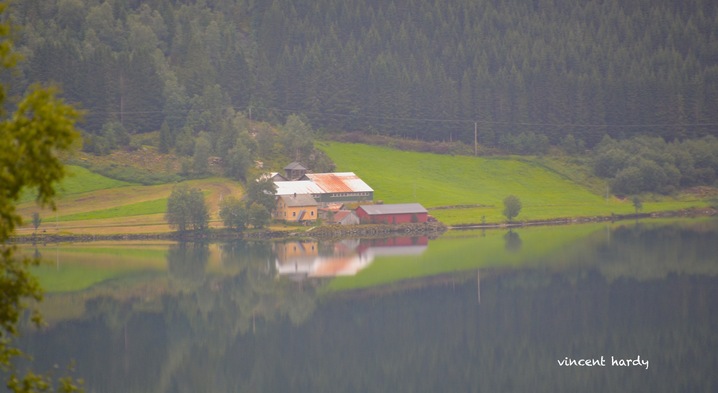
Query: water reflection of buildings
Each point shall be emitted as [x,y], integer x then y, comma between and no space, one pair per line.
[302,259]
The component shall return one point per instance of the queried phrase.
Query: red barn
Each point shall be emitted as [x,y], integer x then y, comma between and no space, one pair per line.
[392,214]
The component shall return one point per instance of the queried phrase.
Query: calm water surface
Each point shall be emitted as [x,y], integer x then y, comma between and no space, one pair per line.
[473,311]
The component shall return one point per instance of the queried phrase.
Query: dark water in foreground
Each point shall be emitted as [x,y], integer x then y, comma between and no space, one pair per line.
[532,298]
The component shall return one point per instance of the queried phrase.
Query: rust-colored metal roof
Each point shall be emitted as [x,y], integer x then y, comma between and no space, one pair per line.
[339,182]
[297,187]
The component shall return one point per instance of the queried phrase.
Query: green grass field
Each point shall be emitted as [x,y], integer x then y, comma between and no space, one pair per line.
[154,206]
[436,181]
[89,203]
[79,180]
[456,190]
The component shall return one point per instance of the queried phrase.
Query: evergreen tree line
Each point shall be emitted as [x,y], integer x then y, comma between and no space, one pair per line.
[423,69]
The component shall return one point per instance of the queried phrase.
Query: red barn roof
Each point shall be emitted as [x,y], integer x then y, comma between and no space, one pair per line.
[400,208]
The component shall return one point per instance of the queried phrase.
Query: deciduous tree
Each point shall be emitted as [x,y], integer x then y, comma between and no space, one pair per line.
[512,207]
[261,191]
[186,209]
[637,204]
[259,216]
[36,220]
[31,138]
[233,213]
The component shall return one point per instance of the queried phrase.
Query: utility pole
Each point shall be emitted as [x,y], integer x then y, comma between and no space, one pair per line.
[122,99]
[475,138]
[478,284]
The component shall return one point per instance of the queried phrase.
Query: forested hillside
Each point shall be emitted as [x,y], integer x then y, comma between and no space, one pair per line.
[424,69]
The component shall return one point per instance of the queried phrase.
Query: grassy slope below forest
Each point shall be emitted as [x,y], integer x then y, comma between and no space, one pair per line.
[547,189]
[89,203]
[92,204]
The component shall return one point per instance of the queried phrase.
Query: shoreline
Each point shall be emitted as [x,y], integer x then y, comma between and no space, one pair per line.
[328,232]
[683,213]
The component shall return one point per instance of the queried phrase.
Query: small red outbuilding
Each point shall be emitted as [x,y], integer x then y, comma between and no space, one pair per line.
[392,214]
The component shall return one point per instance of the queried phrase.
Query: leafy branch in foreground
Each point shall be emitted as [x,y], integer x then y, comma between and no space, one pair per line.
[31,137]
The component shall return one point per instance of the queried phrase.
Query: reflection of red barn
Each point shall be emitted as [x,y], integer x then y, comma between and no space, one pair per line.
[392,214]
[402,244]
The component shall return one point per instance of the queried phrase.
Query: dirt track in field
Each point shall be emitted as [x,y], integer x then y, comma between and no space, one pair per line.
[215,190]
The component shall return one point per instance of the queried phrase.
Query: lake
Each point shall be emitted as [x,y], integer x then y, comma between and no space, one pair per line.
[629,306]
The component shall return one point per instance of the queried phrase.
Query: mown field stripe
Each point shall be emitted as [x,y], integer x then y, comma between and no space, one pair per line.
[154,206]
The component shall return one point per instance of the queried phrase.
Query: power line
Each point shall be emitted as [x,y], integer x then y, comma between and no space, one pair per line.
[414,119]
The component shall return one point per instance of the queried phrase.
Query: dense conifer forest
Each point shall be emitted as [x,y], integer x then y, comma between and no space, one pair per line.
[526,74]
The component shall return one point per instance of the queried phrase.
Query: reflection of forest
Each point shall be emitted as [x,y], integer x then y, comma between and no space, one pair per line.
[620,293]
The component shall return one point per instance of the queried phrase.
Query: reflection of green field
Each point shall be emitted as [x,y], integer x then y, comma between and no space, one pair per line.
[76,278]
[463,251]
[76,267]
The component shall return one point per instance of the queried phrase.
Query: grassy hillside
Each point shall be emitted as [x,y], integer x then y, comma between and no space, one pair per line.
[93,204]
[456,189]
[80,180]
[442,182]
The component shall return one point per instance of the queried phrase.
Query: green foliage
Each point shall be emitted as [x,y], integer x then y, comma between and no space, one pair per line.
[297,138]
[654,165]
[101,144]
[572,146]
[31,137]
[166,141]
[185,142]
[200,159]
[525,143]
[637,204]
[261,192]
[574,68]
[233,213]
[36,220]
[238,162]
[512,207]
[186,209]
[258,215]
[41,125]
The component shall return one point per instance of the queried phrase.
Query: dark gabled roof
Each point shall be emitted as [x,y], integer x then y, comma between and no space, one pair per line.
[274,176]
[295,166]
[400,208]
[299,200]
